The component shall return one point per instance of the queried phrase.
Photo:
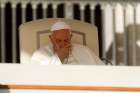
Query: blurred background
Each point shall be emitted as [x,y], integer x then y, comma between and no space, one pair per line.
[118,23]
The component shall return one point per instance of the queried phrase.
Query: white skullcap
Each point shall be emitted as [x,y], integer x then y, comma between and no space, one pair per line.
[60,25]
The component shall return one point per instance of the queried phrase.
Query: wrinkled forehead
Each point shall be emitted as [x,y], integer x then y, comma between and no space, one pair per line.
[62,34]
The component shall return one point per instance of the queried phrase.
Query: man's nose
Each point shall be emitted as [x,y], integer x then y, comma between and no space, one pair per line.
[65,44]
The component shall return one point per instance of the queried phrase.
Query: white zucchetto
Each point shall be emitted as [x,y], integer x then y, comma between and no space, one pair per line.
[60,25]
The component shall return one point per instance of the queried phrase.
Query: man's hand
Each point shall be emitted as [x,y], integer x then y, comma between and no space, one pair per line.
[63,52]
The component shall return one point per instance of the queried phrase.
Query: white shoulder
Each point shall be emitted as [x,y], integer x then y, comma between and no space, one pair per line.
[41,55]
[79,46]
[88,54]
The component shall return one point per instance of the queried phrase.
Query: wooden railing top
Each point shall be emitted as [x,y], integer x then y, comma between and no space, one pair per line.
[83,88]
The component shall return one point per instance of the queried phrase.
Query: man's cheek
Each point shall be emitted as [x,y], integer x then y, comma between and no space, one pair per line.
[60,46]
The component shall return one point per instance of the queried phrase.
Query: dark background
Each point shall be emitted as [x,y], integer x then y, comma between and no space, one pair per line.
[29,17]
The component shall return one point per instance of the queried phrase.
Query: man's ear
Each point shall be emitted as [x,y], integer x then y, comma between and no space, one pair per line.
[70,36]
[52,39]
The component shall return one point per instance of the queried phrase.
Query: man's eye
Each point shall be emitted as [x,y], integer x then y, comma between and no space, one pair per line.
[59,40]
[66,40]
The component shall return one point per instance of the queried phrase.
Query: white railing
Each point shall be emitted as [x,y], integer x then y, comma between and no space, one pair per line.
[17,78]
[116,16]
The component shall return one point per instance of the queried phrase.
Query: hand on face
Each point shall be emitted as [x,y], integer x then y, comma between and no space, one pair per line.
[63,52]
[61,43]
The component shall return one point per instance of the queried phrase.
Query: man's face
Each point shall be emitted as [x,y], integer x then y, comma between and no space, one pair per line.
[61,38]
[61,41]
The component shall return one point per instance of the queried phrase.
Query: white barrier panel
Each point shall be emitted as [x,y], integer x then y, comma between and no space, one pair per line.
[17,78]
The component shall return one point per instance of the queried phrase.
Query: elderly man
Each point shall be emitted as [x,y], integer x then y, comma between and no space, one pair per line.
[62,51]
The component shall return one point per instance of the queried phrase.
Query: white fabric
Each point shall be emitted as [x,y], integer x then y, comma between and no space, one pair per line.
[60,25]
[80,55]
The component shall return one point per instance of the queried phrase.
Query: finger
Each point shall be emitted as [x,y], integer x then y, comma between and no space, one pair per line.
[67,46]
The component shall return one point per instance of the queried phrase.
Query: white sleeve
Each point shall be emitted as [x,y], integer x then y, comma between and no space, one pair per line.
[55,60]
[95,57]
[40,58]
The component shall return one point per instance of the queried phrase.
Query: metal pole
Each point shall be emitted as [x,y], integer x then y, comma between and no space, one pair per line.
[14,37]
[82,7]
[103,33]
[92,7]
[134,39]
[3,33]
[45,10]
[125,37]
[68,10]
[34,6]
[23,12]
[54,10]
[114,37]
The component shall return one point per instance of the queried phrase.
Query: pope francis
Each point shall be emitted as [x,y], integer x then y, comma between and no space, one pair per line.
[62,51]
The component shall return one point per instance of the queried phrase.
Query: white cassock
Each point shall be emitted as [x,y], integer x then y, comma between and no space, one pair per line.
[80,55]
